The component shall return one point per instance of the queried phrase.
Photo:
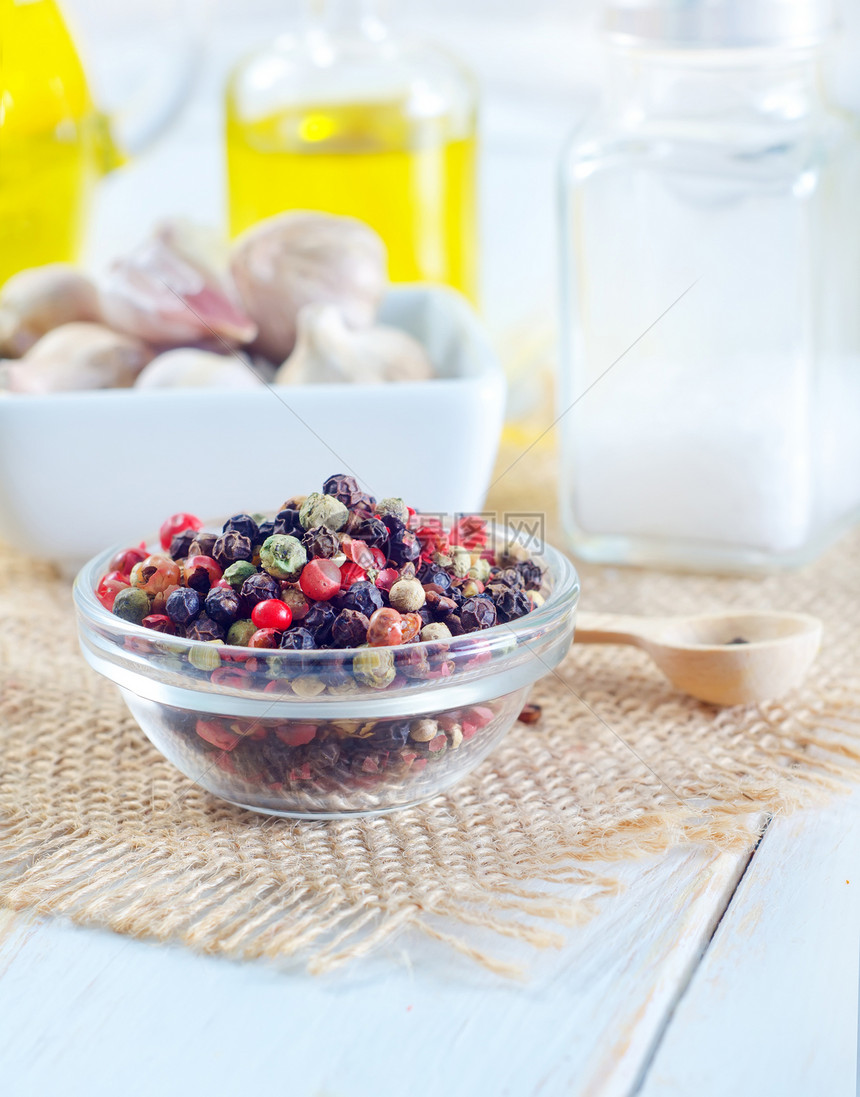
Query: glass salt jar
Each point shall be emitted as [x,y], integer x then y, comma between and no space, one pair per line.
[710,378]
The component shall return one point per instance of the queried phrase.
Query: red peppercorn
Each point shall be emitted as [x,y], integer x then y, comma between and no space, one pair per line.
[272,613]
[320,579]
[263,638]
[379,560]
[176,523]
[278,685]
[159,622]
[296,734]
[125,560]
[201,573]
[387,578]
[411,626]
[359,552]
[155,574]
[229,676]
[214,732]
[385,628]
[351,573]
[109,587]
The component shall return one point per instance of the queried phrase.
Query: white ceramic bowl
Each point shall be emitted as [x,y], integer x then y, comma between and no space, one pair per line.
[81,470]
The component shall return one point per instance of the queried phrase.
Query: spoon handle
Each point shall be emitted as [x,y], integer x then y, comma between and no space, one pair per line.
[608,628]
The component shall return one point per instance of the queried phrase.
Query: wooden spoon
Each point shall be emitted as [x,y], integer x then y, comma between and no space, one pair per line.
[723,658]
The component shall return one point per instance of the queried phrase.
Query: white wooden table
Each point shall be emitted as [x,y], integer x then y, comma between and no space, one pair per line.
[710,976]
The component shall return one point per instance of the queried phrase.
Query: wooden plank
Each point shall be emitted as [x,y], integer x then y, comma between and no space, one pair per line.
[773,1007]
[83,1011]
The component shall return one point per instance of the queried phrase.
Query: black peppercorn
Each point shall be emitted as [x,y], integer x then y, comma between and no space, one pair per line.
[367,528]
[205,629]
[203,544]
[349,629]
[231,547]
[455,624]
[198,578]
[287,522]
[223,605]
[363,596]
[511,604]
[297,639]
[433,574]
[183,605]
[244,524]
[531,573]
[259,587]
[403,545]
[318,621]
[325,754]
[321,542]
[180,545]
[391,735]
[264,530]
[476,613]
[346,489]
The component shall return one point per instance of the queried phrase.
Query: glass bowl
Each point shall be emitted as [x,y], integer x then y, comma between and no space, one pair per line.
[326,733]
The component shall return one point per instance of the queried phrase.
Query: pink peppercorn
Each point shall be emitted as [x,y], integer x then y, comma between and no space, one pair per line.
[320,579]
[216,734]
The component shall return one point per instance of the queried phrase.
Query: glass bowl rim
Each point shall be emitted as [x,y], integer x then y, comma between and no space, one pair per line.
[563,597]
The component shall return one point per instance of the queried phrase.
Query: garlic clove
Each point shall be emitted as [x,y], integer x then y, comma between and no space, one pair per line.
[298,258]
[328,352]
[188,367]
[77,356]
[35,301]
[169,292]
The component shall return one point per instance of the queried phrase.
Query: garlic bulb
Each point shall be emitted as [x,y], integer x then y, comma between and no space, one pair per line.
[40,299]
[188,367]
[77,356]
[295,259]
[327,351]
[169,292]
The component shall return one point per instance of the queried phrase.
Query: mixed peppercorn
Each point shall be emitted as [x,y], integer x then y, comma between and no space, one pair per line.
[334,569]
[380,590]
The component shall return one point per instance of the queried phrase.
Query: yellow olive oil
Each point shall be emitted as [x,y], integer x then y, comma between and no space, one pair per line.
[412,180]
[52,140]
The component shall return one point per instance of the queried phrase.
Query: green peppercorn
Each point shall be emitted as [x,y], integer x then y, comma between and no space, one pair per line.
[131,604]
[237,573]
[461,561]
[513,553]
[480,569]
[282,556]
[205,656]
[394,507]
[240,633]
[323,510]
[374,667]
[308,685]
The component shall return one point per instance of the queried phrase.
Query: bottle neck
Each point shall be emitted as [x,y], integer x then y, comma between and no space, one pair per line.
[345,19]
[695,85]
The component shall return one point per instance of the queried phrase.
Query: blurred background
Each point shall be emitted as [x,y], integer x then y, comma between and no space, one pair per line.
[537,64]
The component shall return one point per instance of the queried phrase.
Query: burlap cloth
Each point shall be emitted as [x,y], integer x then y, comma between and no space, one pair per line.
[96,826]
